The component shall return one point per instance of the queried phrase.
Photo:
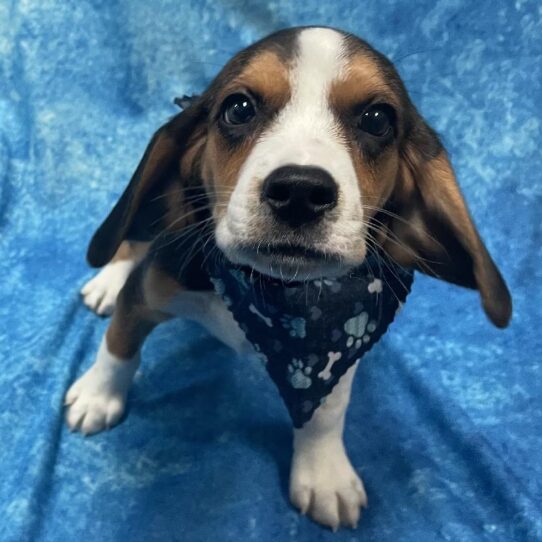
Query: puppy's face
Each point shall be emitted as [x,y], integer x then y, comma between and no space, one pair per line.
[302,145]
[310,154]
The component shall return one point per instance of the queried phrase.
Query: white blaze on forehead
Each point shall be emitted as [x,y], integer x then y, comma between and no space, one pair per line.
[305,132]
[319,63]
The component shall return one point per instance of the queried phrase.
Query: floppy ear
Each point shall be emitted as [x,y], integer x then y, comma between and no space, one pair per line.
[434,231]
[137,213]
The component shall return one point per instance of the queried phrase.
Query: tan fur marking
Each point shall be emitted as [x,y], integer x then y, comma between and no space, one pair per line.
[131,250]
[193,150]
[376,181]
[362,79]
[221,167]
[179,213]
[266,77]
[128,330]
[138,312]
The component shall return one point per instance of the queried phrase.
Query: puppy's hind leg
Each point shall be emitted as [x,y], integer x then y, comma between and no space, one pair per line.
[97,400]
[100,293]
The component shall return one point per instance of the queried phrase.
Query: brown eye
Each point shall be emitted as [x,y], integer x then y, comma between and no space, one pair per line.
[237,109]
[376,121]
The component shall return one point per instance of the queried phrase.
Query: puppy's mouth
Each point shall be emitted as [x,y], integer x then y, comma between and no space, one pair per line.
[282,251]
[289,262]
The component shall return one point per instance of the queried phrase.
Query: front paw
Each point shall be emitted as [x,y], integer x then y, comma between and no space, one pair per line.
[93,405]
[324,485]
[100,293]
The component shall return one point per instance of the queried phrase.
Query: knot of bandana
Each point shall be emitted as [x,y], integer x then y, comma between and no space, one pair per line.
[308,334]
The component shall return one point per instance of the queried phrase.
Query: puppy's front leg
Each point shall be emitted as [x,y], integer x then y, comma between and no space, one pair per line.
[100,292]
[97,400]
[323,482]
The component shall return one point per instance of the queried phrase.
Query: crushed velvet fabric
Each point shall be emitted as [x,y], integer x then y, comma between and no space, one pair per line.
[445,421]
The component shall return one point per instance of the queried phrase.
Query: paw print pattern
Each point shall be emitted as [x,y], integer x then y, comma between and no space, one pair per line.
[371,326]
[299,375]
[294,325]
[375,287]
[355,329]
[359,329]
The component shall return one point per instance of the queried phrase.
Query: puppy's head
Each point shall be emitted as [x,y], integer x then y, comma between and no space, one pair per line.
[309,155]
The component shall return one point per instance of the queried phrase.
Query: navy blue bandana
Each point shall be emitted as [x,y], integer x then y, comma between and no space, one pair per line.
[310,333]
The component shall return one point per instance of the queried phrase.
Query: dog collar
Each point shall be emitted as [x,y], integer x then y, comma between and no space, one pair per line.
[308,334]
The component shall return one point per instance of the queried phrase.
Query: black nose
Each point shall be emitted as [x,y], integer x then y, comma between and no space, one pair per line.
[299,194]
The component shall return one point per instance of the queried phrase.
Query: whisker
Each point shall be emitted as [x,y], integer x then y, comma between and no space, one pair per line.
[385,228]
[380,253]
[422,262]
[403,220]
[199,194]
[379,261]
[187,214]
[201,235]
[206,257]
[182,235]
[196,247]
[180,218]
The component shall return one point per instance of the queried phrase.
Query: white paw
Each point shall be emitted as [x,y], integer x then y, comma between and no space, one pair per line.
[93,405]
[100,293]
[97,400]
[325,486]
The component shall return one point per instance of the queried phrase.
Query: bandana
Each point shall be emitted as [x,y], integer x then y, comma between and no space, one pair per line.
[308,334]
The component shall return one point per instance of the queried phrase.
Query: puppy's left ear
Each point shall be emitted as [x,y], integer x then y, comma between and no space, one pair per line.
[433,231]
[136,215]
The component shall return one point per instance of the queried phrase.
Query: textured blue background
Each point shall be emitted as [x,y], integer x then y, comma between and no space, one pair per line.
[445,424]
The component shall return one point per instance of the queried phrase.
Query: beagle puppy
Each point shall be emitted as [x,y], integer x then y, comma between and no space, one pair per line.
[303,159]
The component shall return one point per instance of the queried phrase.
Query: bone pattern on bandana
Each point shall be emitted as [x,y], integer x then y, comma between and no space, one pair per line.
[310,333]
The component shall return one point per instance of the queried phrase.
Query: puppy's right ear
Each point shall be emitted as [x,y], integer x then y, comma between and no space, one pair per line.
[134,216]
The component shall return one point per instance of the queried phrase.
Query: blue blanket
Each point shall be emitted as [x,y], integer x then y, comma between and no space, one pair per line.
[445,424]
